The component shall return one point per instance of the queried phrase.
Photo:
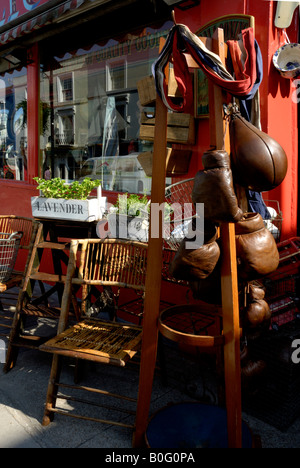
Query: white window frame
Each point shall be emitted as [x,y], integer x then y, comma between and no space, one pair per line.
[60,90]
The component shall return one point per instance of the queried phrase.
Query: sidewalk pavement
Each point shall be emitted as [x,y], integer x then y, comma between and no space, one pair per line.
[23,393]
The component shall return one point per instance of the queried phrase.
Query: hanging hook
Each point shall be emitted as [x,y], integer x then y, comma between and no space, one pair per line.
[173,17]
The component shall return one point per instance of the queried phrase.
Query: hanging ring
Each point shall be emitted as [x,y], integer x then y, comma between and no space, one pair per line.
[173,17]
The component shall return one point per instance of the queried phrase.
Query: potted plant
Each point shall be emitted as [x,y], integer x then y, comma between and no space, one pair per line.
[128,218]
[60,200]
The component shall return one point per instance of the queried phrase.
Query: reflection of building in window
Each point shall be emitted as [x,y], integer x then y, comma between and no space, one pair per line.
[122,102]
[84,127]
[3,124]
[65,127]
[65,88]
[116,75]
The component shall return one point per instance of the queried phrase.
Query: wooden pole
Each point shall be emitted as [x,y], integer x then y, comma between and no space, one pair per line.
[153,279]
[229,280]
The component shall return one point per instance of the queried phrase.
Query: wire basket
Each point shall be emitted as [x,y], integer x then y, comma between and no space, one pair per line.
[179,197]
[9,246]
[274,223]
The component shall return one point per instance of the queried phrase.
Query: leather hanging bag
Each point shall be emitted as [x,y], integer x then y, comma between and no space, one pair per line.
[214,187]
[258,163]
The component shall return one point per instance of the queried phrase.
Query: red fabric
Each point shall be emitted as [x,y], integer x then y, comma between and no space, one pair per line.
[183,79]
[238,87]
[235,53]
[241,86]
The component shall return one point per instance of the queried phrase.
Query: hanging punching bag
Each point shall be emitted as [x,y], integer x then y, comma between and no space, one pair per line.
[258,162]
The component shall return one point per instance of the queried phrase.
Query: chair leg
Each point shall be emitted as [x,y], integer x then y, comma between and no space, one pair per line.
[52,389]
[13,351]
[11,358]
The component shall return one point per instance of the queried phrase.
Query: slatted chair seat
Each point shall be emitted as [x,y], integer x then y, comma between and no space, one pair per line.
[98,341]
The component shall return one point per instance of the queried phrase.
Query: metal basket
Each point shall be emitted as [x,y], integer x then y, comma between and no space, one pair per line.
[9,246]
[179,196]
[274,224]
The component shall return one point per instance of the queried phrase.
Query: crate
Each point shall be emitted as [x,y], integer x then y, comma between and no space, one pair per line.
[275,399]
[289,255]
[147,91]
[282,291]
[180,128]
[284,309]
[177,162]
[286,277]
[173,90]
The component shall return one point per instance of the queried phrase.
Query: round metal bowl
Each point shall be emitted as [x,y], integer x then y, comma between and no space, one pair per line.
[287,60]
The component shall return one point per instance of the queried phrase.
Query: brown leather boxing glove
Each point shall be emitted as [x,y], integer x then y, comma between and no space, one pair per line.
[198,262]
[191,264]
[256,249]
[214,187]
[257,312]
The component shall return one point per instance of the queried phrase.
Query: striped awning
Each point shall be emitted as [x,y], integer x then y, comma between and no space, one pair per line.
[46,18]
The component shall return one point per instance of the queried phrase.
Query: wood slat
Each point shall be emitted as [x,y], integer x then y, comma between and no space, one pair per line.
[53,245]
[41,276]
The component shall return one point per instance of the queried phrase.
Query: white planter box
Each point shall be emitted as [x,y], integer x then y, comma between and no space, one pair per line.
[72,210]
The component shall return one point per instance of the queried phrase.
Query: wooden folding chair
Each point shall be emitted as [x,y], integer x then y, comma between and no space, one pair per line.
[114,263]
[8,294]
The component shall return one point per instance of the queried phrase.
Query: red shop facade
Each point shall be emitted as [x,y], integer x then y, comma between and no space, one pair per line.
[62,62]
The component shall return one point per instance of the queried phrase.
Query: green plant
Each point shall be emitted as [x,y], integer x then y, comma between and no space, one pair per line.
[136,205]
[57,188]
[132,204]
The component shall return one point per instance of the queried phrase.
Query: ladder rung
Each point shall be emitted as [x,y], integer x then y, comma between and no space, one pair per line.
[48,277]
[54,245]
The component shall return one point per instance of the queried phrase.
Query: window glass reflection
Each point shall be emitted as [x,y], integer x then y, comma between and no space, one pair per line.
[13,125]
[94,111]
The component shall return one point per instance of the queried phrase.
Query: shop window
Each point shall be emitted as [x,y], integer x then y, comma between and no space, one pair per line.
[95,112]
[13,125]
